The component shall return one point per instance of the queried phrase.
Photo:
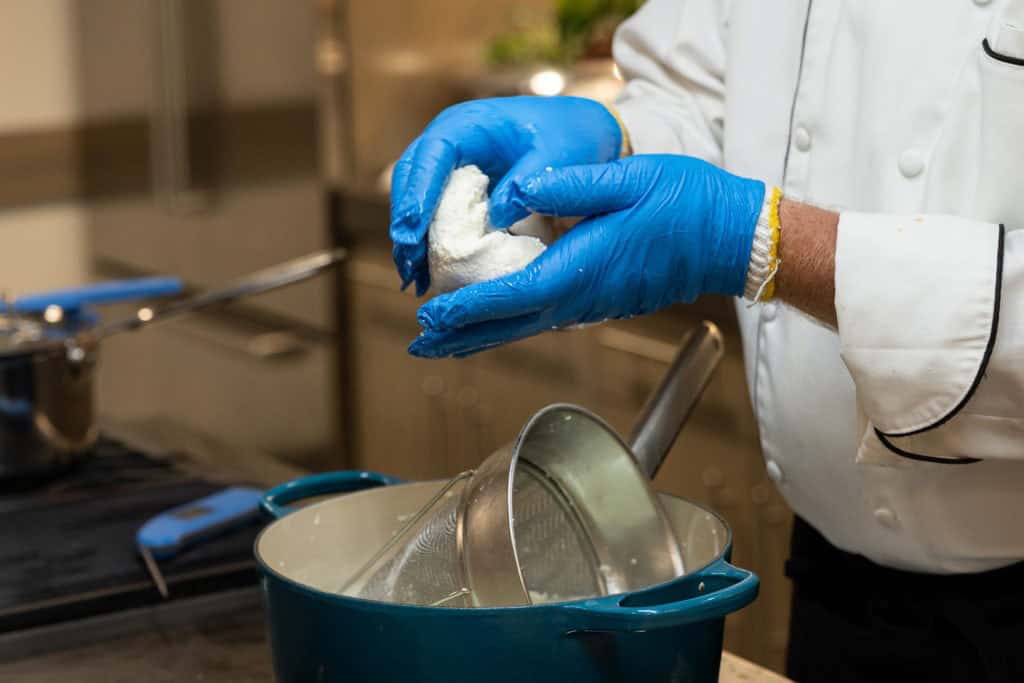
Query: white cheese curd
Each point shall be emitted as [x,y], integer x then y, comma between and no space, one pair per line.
[465,248]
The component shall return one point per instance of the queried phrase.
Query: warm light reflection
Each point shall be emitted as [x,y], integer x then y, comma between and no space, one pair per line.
[547,82]
[53,314]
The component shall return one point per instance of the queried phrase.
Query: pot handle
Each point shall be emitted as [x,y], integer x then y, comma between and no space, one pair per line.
[712,593]
[668,408]
[275,502]
[274,277]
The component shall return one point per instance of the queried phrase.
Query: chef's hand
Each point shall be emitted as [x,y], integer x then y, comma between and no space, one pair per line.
[663,230]
[508,138]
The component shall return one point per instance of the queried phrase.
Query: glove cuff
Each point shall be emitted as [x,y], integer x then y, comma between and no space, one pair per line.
[764,254]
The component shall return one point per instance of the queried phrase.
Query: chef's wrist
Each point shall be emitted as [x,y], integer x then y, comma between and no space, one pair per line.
[764,253]
[793,257]
[807,259]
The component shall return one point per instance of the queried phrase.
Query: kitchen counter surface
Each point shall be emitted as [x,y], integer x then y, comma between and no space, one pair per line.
[738,670]
[223,648]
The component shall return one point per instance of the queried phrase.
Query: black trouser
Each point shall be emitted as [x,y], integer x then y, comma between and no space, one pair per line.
[855,621]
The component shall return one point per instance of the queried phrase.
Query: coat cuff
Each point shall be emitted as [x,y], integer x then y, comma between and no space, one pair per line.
[917,302]
[648,133]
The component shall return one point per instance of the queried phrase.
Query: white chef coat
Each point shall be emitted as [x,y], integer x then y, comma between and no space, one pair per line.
[901,437]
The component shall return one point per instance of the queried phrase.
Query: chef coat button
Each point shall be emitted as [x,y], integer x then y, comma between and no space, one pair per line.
[774,471]
[911,163]
[802,138]
[982,3]
[768,311]
[887,518]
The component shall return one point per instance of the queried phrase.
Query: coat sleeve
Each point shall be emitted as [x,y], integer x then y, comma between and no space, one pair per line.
[672,55]
[931,326]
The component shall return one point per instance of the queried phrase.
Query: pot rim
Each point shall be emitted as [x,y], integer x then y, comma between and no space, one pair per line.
[479,611]
[55,338]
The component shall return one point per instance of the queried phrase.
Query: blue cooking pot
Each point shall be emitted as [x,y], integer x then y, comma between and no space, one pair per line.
[669,632]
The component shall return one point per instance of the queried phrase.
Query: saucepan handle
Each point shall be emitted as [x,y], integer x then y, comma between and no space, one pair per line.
[274,277]
[113,291]
[712,593]
[275,502]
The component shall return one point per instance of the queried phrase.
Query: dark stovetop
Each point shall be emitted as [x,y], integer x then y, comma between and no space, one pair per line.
[67,548]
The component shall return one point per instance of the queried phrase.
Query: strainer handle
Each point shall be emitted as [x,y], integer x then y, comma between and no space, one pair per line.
[275,502]
[711,593]
[671,403]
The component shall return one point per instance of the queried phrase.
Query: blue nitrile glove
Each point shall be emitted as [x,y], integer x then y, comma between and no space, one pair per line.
[508,138]
[664,229]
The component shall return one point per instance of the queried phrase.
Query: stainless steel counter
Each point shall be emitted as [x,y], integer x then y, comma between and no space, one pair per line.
[223,646]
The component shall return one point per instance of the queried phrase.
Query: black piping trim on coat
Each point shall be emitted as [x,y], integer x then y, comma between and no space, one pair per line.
[999,56]
[796,92]
[984,359]
[923,458]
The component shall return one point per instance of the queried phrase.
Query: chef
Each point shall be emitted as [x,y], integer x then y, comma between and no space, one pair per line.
[851,173]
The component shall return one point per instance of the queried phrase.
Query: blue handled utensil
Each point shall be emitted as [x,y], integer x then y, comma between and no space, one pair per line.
[167,534]
[114,291]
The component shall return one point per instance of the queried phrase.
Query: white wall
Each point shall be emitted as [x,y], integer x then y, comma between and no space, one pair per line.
[41,248]
[37,88]
[40,71]
[44,246]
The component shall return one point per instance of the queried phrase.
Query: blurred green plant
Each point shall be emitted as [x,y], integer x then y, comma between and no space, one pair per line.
[581,28]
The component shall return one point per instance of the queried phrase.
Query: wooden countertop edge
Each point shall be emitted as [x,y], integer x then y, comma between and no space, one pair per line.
[738,670]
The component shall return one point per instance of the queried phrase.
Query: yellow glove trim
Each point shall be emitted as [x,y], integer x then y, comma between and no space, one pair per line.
[773,264]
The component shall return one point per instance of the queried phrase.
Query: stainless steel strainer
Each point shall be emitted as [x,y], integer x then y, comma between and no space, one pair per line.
[565,512]
[420,564]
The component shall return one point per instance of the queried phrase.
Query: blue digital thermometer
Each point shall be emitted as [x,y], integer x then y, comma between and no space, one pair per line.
[167,534]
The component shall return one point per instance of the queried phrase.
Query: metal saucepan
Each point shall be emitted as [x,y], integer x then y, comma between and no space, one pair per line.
[49,346]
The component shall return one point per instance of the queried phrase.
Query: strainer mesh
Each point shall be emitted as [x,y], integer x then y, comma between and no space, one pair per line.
[555,556]
[421,563]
